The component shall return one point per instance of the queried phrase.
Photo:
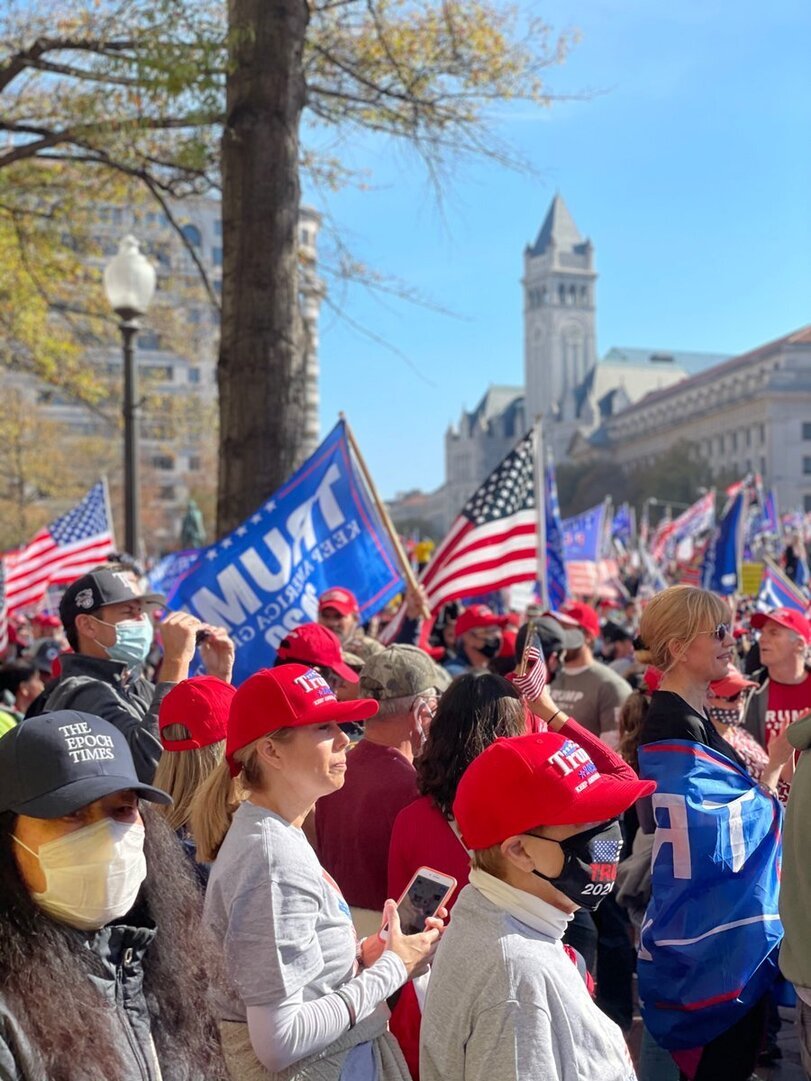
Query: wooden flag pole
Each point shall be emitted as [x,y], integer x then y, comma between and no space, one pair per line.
[394,537]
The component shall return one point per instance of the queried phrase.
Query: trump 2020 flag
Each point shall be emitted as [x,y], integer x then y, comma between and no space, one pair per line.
[778,591]
[319,530]
[708,944]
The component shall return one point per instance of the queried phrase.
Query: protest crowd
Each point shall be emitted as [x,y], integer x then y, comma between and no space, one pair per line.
[382,829]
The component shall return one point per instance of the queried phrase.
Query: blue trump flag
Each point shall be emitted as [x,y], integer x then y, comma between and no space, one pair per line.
[720,570]
[319,530]
[622,525]
[708,944]
[167,574]
[555,567]
[583,535]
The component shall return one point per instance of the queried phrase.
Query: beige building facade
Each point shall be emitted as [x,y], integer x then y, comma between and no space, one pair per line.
[751,413]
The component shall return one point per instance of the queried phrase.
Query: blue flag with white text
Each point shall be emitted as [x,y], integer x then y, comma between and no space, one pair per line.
[318,530]
[622,526]
[720,570]
[708,944]
[169,572]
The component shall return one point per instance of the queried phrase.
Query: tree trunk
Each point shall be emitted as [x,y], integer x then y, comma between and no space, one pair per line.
[260,371]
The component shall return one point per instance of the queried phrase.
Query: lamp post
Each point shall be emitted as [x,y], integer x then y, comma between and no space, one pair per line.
[129,282]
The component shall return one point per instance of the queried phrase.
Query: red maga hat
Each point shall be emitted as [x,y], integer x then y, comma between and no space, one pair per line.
[342,600]
[732,683]
[584,616]
[543,779]
[201,704]
[478,615]
[785,617]
[314,644]
[291,696]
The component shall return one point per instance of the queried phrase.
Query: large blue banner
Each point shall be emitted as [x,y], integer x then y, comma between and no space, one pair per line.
[583,535]
[319,530]
[708,945]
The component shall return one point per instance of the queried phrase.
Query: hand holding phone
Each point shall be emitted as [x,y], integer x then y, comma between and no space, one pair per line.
[425,894]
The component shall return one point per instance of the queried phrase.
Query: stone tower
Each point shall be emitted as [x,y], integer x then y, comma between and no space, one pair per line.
[559,340]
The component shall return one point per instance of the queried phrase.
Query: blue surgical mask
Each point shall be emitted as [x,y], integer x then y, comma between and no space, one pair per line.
[133,640]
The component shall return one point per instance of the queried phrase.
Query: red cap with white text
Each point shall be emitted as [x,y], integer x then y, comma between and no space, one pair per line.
[544,779]
[290,696]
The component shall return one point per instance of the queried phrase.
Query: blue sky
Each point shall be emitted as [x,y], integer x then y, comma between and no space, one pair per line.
[689,166]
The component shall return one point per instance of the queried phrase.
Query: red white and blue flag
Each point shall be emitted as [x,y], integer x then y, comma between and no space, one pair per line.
[70,546]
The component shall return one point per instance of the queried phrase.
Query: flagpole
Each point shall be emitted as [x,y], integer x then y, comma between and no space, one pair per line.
[388,525]
[539,454]
[106,489]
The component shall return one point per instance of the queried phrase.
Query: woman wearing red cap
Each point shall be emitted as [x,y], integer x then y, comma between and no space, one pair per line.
[298,996]
[193,719]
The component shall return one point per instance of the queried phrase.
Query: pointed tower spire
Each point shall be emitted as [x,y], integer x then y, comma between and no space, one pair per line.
[558,228]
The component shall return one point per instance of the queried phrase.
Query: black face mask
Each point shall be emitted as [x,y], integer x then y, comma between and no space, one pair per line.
[490,648]
[590,864]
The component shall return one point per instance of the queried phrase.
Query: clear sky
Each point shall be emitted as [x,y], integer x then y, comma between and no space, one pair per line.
[689,167]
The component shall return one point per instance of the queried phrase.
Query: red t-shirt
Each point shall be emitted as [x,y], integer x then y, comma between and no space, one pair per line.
[353,825]
[423,837]
[787,701]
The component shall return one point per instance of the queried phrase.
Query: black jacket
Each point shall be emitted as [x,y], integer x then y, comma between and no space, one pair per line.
[120,695]
[121,949]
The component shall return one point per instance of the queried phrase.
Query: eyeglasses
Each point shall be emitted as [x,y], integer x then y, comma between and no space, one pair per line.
[721,632]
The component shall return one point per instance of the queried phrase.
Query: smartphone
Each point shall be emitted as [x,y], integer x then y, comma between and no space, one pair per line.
[425,894]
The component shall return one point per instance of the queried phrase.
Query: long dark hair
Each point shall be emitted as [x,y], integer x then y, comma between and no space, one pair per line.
[476,709]
[45,972]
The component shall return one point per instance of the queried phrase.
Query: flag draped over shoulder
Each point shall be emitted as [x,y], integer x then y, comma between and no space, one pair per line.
[494,541]
[708,945]
[70,546]
[319,530]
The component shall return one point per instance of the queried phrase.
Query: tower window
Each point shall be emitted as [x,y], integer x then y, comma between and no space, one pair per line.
[562,294]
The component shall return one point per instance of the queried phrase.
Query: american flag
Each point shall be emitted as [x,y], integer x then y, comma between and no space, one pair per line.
[606,856]
[494,541]
[67,548]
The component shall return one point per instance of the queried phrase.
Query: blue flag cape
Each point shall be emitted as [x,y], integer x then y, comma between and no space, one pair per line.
[319,530]
[708,945]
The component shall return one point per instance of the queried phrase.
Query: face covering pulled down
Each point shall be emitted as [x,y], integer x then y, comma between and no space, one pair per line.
[589,866]
[93,875]
[133,640]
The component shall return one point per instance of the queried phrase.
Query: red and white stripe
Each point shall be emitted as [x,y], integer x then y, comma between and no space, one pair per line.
[30,570]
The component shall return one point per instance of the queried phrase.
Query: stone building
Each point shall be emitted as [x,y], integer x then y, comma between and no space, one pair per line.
[751,413]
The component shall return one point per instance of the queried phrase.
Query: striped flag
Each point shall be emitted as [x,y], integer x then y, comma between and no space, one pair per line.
[778,591]
[492,544]
[70,546]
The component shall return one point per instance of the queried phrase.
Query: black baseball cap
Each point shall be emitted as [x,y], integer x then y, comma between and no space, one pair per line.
[92,591]
[54,764]
[554,637]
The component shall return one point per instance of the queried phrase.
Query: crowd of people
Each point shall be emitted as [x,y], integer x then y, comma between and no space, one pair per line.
[201,882]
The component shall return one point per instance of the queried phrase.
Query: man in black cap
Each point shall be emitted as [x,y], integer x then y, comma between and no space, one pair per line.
[108,626]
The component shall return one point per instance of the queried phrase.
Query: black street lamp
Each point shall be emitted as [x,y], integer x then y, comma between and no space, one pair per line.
[129,282]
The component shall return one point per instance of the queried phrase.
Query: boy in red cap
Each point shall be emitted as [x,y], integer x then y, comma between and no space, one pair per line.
[540,819]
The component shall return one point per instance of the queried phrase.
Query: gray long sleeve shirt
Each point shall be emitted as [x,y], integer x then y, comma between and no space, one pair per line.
[505,1003]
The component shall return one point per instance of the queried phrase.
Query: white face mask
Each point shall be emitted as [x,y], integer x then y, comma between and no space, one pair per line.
[92,876]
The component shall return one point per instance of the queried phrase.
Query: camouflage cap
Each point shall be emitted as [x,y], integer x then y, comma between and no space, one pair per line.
[396,672]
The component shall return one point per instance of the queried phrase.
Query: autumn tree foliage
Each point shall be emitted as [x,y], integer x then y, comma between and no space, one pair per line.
[161,98]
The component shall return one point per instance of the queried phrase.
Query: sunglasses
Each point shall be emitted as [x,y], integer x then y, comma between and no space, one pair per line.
[720,632]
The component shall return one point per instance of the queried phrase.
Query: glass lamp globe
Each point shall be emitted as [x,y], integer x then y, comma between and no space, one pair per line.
[129,280]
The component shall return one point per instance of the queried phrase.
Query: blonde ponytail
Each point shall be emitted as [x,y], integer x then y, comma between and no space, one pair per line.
[211,811]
